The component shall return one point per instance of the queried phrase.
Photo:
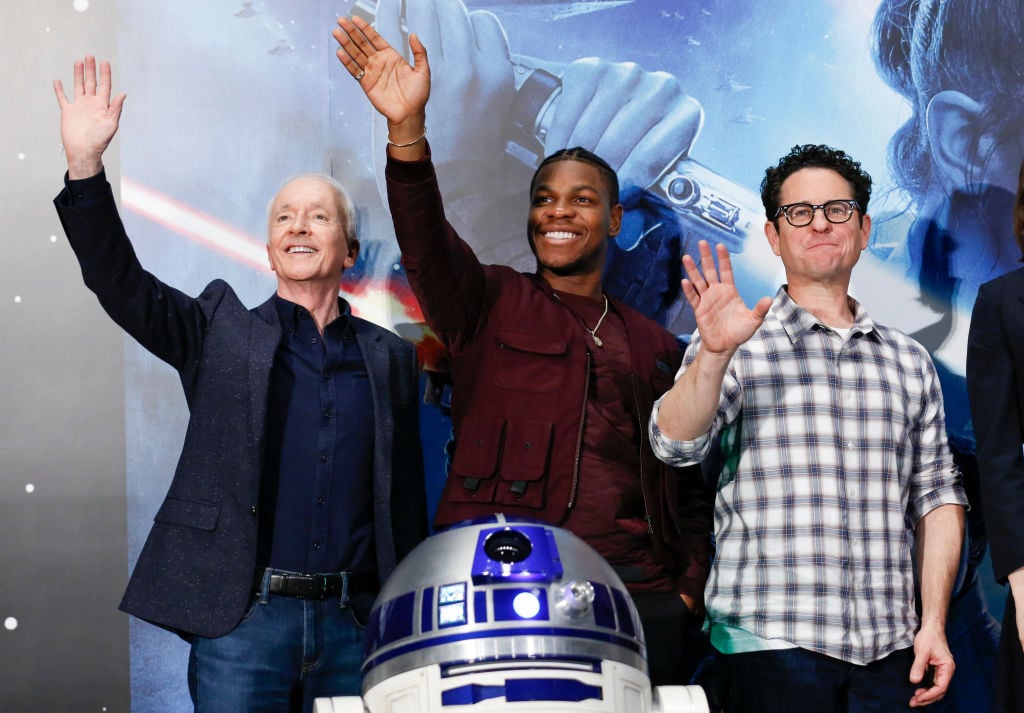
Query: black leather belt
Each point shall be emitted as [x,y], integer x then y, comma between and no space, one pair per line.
[318,586]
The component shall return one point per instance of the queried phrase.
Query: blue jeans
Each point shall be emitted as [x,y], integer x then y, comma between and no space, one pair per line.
[801,681]
[285,653]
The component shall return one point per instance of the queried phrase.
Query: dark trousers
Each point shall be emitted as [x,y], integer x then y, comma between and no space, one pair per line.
[801,681]
[1010,679]
[675,644]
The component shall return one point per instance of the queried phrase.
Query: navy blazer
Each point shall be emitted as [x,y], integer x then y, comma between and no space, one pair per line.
[195,572]
[995,386]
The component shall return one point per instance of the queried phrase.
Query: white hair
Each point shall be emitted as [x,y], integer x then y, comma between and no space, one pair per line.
[346,209]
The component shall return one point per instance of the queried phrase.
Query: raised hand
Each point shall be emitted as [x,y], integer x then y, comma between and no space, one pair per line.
[637,121]
[723,320]
[472,85]
[396,89]
[89,120]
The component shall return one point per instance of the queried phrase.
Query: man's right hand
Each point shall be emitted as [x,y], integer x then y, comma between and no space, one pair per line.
[89,120]
[688,409]
[398,90]
[723,320]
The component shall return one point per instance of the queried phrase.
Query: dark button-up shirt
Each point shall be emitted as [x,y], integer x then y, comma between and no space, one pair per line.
[315,501]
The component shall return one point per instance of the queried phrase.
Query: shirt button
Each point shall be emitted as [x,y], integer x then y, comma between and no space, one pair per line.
[253,509]
[316,545]
[323,459]
[327,415]
[319,501]
[314,340]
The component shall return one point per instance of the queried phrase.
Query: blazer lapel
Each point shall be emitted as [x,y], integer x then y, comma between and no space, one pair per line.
[376,359]
[264,337]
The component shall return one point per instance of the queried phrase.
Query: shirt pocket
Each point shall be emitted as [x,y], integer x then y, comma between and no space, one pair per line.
[529,361]
[524,463]
[503,462]
[476,461]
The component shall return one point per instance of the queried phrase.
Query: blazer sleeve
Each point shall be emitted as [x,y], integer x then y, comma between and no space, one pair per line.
[992,385]
[167,322]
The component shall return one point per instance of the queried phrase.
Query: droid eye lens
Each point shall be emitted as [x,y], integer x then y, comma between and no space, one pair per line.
[508,546]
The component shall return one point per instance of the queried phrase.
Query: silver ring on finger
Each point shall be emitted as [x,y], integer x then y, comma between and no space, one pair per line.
[359,76]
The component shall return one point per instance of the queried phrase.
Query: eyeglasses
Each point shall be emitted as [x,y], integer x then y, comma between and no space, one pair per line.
[801,214]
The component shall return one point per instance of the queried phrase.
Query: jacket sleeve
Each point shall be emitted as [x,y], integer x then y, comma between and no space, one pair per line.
[689,506]
[694,522]
[445,275]
[408,493]
[162,319]
[992,386]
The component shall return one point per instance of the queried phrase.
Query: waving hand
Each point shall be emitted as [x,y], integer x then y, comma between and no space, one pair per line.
[89,120]
[396,89]
[722,318]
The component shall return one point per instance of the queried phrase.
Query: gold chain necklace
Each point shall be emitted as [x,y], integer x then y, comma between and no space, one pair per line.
[592,332]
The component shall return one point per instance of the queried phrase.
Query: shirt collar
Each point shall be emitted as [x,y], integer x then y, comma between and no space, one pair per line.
[798,322]
[290,314]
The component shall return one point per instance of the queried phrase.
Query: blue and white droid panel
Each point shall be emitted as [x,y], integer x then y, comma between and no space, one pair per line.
[506,615]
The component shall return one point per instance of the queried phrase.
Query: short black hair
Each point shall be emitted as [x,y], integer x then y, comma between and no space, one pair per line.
[814,156]
[578,153]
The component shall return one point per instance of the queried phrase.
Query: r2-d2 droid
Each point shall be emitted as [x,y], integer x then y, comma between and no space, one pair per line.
[507,615]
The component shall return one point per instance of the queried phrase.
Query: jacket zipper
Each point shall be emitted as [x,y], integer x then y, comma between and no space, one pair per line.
[579,437]
[643,437]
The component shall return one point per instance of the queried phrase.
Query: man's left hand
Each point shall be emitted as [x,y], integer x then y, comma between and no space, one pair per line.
[931,650]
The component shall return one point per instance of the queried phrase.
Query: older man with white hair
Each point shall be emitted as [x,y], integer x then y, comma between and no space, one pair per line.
[300,481]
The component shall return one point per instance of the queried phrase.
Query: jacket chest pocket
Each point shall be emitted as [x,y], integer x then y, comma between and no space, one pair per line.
[528,361]
[502,462]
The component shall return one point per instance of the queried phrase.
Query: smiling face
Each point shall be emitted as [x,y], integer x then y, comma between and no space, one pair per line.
[571,220]
[820,252]
[307,235]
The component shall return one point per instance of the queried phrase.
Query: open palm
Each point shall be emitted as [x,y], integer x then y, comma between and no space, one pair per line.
[396,89]
[89,120]
[723,320]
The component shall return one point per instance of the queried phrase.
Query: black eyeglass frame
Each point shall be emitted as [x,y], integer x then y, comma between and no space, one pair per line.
[784,210]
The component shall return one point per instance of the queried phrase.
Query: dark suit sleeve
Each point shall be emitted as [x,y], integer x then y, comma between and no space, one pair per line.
[992,384]
[162,319]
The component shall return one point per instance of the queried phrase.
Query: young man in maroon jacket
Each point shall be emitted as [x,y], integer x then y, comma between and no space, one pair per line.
[553,380]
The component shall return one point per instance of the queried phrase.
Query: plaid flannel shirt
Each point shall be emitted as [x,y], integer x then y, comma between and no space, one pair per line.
[831,452]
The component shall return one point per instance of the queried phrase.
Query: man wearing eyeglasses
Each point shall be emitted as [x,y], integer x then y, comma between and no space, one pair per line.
[834,465]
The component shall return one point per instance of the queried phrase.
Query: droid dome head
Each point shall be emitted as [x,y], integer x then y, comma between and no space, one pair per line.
[510,615]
